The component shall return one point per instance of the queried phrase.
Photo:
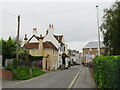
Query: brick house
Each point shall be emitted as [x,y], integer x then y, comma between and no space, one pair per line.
[91,50]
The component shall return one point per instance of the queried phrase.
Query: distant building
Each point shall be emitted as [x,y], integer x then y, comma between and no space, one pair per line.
[74,56]
[91,50]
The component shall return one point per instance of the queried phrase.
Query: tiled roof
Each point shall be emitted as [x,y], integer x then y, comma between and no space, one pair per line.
[59,38]
[31,45]
[94,45]
[46,44]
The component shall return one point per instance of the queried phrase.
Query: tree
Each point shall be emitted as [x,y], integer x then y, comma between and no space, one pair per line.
[111,29]
[8,49]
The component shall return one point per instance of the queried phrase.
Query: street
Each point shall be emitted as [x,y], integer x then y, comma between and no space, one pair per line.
[59,79]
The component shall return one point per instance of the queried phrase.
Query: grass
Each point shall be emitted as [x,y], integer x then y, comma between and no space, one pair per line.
[24,73]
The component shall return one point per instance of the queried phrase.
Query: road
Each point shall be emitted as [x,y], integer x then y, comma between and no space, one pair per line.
[59,79]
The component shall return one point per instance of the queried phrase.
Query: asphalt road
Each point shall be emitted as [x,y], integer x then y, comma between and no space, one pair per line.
[57,79]
[85,79]
[74,77]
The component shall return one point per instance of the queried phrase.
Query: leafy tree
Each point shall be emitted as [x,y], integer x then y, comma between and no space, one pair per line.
[8,49]
[111,29]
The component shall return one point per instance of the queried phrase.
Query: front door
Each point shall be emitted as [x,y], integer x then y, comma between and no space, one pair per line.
[63,60]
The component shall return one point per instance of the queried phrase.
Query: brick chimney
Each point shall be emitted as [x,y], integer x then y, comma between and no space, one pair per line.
[25,39]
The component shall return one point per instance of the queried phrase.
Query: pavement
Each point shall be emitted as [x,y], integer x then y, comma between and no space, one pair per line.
[74,77]
[85,79]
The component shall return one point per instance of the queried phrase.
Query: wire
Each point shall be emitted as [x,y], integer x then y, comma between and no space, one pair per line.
[57,12]
[9,12]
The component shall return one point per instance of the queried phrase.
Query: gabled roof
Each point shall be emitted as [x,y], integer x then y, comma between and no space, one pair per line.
[94,45]
[46,44]
[59,38]
[36,38]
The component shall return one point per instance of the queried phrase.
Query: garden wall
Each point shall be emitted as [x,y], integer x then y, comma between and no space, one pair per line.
[5,75]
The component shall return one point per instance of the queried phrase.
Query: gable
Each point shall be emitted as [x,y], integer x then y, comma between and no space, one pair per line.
[33,40]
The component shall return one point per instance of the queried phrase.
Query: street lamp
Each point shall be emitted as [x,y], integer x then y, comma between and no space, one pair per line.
[98,32]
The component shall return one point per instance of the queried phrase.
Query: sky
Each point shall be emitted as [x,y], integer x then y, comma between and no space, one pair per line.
[76,20]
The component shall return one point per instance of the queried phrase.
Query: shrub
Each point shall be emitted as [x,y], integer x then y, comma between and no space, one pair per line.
[24,73]
[106,71]
[37,72]
[35,57]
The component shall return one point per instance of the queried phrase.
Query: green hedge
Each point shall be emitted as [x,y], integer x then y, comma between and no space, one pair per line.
[24,73]
[107,71]
[35,57]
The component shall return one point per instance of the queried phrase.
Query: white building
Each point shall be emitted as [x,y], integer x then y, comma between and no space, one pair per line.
[59,42]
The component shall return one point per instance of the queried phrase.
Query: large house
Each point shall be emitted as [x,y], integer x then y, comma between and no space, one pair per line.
[91,50]
[51,46]
[59,42]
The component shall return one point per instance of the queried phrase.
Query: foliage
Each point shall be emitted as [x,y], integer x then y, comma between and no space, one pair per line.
[37,72]
[24,73]
[35,57]
[106,71]
[111,29]
[21,73]
[8,49]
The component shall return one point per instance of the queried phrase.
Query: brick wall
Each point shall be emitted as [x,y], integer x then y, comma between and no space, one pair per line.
[5,75]
[93,51]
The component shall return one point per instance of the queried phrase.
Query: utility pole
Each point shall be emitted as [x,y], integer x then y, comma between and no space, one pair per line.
[98,32]
[17,50]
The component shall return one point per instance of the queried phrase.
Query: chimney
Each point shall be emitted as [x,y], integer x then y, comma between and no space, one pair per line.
[34,31]
[50,30]
[40,35]
[25,39]
[50,26]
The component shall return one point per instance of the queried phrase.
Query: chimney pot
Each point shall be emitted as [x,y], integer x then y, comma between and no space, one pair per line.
[40,35]
[25,35]
[49,25]
[52,25]
[34,28]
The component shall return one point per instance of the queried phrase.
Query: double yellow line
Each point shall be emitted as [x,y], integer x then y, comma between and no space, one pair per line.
[73,81]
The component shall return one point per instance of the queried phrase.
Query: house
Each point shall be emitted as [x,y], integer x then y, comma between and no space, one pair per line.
[59,42]
[74,56]
[51,46]
[38,47]
[91,50]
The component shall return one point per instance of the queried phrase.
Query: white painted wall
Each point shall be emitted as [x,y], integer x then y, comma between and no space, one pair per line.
[50,37]
[33,40]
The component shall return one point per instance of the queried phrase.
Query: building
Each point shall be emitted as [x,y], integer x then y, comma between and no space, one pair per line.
[51,46]
[38,47]
[59,42]
[74,56]
[91,50]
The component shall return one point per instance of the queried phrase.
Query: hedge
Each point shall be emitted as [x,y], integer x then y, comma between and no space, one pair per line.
[32,58]
[24,73]
[107,71]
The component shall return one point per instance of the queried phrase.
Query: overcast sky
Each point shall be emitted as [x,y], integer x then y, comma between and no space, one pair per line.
[77,21]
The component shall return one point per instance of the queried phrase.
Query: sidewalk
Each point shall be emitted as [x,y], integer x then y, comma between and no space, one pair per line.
[85,79]
[8,83]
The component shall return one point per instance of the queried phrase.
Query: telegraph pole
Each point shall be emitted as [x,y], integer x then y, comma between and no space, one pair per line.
[98,32]
[17,50]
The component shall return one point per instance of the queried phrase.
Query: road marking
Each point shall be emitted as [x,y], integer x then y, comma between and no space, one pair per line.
[73,81]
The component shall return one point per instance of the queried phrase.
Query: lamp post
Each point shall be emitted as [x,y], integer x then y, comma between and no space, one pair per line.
[98,32]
